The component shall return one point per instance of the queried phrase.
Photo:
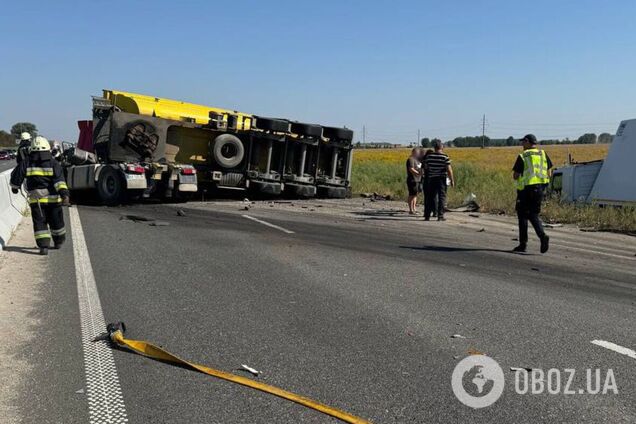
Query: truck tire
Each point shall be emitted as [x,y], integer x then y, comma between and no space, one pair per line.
[228,151]
[309,130]
[272,124]
[344,134]
[331,192]
[110,187]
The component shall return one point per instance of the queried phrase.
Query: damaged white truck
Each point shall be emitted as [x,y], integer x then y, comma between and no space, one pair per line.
[608,182]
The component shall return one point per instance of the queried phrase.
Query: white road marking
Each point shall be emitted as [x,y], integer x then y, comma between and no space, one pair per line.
[284,230]
[616,348]
[105,401]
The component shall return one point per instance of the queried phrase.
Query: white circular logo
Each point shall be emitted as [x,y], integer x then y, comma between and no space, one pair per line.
[478,381]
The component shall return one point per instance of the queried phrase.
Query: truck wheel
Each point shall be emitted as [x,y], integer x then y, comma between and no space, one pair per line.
[110,186]
[272,124]
[228,151]
[309,130]
[344,134]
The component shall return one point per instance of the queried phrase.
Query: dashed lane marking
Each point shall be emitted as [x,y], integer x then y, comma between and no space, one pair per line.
[284,230]
[616,348]
[105,401]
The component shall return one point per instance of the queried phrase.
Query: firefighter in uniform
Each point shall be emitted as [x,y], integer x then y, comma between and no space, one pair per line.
[47,192]
[531,174]
[23,147]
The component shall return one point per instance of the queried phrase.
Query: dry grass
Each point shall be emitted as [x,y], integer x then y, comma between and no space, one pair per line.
[487,173]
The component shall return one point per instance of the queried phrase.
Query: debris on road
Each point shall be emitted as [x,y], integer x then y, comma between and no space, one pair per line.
[457,336]
[376,196]
[468,205]
[535,269]
[251,370]
[180,212]
[481,230]
[159,223]
[553,225]
[135,218]
[80,391]
[143,219]
[474,215]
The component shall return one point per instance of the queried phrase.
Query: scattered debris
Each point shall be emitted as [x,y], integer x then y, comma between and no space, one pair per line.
[135,218]
[312,210]
[468,205]
[553,225]
[80,391]
[456,357]
[473,351]
[180,212]
[474,215]
[481,230]
[457,336]
[535,269]
[159,223]
[251,370]
[139,218]
[375,196]
[462,264]
[588,229]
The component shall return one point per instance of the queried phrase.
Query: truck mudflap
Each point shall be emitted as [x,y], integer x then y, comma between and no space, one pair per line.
[266,187]
[300,190]
[332,192]
[186,177]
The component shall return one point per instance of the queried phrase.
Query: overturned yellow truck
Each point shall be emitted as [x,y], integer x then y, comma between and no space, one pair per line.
[225,149]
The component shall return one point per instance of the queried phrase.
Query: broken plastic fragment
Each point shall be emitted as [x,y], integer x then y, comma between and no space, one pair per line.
[250,370]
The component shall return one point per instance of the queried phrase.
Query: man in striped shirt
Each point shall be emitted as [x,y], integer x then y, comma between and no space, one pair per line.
[438,168]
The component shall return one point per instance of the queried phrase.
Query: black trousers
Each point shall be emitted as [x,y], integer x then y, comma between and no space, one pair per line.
[435,196]
[528,209]
[48,222]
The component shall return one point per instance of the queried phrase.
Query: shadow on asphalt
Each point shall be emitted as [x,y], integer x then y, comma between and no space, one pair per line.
[21,249]
[455,249]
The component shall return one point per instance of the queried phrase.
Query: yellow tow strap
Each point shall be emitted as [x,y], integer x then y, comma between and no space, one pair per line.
[116,334]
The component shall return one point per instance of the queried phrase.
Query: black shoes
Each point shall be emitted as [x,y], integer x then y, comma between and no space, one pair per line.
[545,245]
[44,251]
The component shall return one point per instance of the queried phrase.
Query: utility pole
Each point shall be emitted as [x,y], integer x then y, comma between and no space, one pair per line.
[483,132]
[419,140]
[364,134]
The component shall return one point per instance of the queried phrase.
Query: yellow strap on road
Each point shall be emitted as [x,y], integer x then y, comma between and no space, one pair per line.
[155,352]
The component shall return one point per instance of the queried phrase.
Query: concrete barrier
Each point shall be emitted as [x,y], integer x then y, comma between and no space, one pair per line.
[12,207]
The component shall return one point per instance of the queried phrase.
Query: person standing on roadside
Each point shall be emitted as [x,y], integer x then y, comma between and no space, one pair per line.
[23,147]
[438,167]
[425,178]
[413,178]
[531,173]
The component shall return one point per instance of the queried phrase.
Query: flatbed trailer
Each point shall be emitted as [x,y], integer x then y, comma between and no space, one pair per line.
[241,151]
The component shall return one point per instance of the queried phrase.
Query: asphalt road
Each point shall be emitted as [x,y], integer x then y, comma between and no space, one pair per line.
[355,313]
[6,164]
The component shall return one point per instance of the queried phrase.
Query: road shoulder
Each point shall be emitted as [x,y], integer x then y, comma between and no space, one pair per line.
[21,271]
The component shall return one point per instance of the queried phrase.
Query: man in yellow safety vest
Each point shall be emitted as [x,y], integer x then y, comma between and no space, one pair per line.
[531,173]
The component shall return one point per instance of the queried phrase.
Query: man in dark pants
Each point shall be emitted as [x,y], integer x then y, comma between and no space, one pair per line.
[531,174]
[437,167]
[46,190]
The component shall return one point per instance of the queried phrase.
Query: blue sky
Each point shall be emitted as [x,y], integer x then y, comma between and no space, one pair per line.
[555,68]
